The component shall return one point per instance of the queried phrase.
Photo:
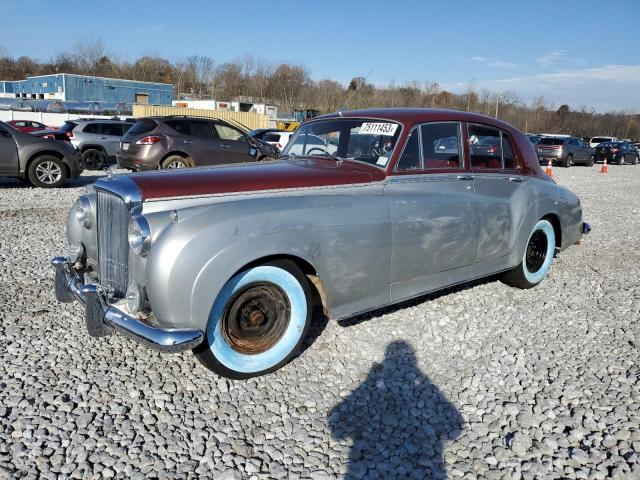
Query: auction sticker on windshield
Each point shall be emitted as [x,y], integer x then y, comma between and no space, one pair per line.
[378,129]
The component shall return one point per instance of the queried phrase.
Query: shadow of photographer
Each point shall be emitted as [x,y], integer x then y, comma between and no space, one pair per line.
[398,421]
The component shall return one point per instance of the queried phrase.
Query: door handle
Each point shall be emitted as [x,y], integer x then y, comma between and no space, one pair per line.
[187,141]
[464,177]
[515,179]
[223,145]
[103,138]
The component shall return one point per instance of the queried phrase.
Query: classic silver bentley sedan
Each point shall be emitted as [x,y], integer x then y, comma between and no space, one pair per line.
[362,210]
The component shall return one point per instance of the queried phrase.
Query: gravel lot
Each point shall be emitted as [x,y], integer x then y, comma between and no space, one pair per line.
[480,382]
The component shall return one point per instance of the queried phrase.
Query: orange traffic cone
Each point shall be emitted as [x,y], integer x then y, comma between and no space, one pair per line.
[605,168]
[549,170]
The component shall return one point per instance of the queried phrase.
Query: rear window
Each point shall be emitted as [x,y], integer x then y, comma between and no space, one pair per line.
[600,139]
[551,141]
[142,126]
[68,126]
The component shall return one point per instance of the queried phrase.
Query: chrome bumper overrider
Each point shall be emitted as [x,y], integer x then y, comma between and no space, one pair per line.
[102,318]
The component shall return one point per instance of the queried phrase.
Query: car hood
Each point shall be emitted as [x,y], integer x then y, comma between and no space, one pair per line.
[254,176]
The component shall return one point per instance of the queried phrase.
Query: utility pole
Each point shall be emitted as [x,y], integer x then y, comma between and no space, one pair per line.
[498,102]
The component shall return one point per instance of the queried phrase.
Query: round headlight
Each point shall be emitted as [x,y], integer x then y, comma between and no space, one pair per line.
[83,212]
[139,235]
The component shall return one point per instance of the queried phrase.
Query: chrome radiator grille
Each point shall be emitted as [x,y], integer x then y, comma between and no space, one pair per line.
[113,244]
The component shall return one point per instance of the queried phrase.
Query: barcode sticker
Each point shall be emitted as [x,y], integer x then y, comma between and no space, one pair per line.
[388,129]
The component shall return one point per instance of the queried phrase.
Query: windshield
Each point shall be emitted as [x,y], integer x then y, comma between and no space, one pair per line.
[551,141]
[364,140]
[600,139]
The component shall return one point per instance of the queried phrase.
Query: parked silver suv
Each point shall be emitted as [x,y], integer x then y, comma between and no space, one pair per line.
[97,140]
[564,151]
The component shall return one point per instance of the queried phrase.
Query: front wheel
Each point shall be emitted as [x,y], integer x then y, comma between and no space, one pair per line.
[537,258]
[591,161]
[47,171]
[258,321]
[621,161]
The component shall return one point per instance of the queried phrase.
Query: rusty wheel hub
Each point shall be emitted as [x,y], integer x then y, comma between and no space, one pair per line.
[256,317]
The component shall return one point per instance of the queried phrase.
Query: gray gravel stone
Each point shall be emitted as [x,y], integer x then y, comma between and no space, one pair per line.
[481,381]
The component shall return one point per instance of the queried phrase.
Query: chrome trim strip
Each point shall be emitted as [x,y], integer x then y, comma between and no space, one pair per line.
[269,191]
[169,340]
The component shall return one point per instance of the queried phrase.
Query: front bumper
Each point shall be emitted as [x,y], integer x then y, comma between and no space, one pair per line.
[102,318]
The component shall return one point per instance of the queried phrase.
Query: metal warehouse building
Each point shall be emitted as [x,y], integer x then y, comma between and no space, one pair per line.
[82,88]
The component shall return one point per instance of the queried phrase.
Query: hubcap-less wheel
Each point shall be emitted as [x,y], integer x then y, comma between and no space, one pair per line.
[621,162]
[539,252]
[258,321]
[536,251]
[255,318]
[48,172]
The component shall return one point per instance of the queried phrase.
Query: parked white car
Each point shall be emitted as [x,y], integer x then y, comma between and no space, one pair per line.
[595,141]
[279,139]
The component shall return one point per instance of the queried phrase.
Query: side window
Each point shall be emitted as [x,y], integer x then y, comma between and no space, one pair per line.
[227,133]
[179,126]
[410,159]
[21,124]
[91,128]
[508,158]
[485,147]
[200,129]
[112,129]
[440,144]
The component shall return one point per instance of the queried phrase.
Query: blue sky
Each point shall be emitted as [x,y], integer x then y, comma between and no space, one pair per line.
[580,53]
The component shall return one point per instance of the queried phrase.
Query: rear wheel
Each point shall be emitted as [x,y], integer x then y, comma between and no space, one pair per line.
[537,257]
[621,161]
[591,161]
[567,163]
[93,158]
[175,161]
[258,321]
[47,172]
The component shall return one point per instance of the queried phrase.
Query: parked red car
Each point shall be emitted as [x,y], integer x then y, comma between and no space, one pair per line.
[27,126]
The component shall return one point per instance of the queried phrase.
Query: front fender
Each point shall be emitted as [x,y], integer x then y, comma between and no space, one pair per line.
[345,238]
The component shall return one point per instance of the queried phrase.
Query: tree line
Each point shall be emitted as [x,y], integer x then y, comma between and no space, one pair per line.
[289,86]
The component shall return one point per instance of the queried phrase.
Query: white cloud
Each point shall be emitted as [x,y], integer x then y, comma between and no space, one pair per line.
[551,57]
[606,88]
[495,63]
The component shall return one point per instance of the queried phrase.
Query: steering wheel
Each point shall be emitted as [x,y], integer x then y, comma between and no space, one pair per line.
[321,150]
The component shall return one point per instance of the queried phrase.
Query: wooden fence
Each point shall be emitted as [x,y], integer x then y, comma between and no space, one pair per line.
[250,120]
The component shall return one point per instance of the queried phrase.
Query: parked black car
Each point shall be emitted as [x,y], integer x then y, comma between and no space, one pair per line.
[259,133]
[617,152]
[564,151]
[178,142]
[42,161]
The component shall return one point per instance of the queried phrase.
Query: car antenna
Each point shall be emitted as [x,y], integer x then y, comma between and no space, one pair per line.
[353,93]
